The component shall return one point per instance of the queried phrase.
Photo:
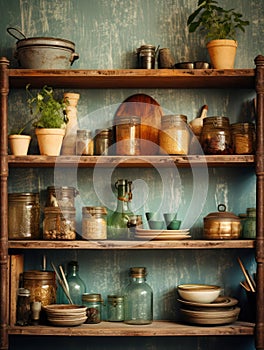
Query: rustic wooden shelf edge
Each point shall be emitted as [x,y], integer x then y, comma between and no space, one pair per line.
[157,328]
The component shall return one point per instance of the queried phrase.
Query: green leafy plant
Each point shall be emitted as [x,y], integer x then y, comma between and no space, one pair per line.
[217,22]
[49,112]
[20,130]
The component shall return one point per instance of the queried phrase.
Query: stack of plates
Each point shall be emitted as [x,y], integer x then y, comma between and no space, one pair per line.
[66,315]
[161,234]
[222,311]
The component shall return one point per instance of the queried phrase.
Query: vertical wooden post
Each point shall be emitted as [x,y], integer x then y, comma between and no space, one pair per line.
[260,202]
[4,84]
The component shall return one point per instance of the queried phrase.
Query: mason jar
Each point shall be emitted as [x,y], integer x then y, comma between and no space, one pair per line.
[59,223]
[93,302]
[128,135]
[115,308]
[94,224]
[103,142]
[243,138]
[84,143]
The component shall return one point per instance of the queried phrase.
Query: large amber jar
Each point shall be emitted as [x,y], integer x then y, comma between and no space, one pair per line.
[216,136]
[243,138]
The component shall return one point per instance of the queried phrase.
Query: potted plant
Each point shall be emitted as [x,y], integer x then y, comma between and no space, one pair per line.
[50,120]
[220,27]
[18,141]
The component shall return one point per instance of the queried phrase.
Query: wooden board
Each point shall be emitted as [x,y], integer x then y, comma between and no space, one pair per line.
[16,267]
[150,112]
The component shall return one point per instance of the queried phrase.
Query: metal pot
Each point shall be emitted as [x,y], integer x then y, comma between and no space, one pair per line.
[43,52]
[222,225]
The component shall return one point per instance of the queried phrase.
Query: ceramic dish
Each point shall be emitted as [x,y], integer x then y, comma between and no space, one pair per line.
[66,322]
[199,293]
[220,302]
[163,237]
[153,232]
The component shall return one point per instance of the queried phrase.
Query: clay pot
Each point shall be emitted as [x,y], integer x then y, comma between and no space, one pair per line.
[222,53]
[19,144]
[50,141]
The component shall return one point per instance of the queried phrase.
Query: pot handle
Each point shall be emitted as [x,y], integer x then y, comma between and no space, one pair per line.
[74,57]
[10,31]
[221,208]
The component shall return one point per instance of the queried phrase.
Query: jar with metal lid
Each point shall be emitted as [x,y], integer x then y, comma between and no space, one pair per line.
[215,137]
[249,225]
[146,56]
[42,286]
[128,135]
[243,138]
[23,216]
[174,136]
[115,308]
[59,224]
[94,305]
[84,143]
[94,223]
[103,142]
[61,196]
[23,307]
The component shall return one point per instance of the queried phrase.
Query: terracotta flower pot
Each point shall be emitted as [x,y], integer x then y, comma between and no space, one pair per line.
[50,141]
[19,144]
[222,53]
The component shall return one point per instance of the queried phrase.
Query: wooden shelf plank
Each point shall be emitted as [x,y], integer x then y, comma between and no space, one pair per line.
[133,244]
[31,161]
[157,328]
[134,78]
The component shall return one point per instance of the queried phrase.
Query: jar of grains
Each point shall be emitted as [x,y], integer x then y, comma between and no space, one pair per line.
[216,136]
[174,136]
[128,136]
[94,223]
[59,223]
[243,138]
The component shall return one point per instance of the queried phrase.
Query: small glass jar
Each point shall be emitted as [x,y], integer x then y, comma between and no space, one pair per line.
[42,286]
[59,224]
[216,136]
[23,216]
[84,143]
[61,196]
[115,308]
[103,142]
[249,225]
[94,224]
[243,138]
[128,135]
[23,307]
[174,136]
[93,311]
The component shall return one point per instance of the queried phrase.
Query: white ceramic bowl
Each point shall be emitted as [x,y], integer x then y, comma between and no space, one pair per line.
[199,293]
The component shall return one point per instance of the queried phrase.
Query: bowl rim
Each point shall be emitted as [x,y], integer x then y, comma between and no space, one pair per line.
[199,287]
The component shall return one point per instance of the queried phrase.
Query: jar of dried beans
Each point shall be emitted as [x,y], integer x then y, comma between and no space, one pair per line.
[59,223]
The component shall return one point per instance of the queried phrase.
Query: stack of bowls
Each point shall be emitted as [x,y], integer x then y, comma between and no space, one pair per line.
[201,304]
[66,314]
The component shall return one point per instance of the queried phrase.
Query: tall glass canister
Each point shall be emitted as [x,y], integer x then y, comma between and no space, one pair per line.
[138,298]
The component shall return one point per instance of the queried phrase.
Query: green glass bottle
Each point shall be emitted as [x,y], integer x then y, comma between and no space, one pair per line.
[118,222]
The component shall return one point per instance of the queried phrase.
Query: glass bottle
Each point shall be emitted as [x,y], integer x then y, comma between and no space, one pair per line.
[118,223]
[76,285]
[249,226]
[23,307]
[138,298]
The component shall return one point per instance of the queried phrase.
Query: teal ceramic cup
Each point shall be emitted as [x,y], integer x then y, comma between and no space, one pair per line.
[169,217]
[174,225]
[156,224]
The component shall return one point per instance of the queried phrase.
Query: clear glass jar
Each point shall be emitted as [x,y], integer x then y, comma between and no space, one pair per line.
[61,196]
[93,311]
[115,308]
[84,143]
[174,136]
[103,142]
[243,138]
[138,298]
[215,137]
[94,223]
[23,216]
[59,224]
[23,307]
[249,224]
[128,135]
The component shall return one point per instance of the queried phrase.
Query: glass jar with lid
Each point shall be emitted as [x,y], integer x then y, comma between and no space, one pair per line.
[128,135]
[243,138]
[174,136]
[249,225]
[61,196]
[59,223]
[103,142]
[215,137]
[23,215]
[84,143]
[94,306]
[94,223]
[115,308]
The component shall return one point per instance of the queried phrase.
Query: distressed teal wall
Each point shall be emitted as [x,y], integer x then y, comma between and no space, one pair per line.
[106,34]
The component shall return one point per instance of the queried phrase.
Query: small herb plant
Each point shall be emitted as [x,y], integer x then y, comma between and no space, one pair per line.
[217,22]
[49,112]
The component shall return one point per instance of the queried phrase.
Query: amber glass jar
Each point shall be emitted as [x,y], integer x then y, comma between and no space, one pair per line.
[243,138]
[42,286]
[23,216]
[103,142]
[174,136]
[94,223]
[216,136]
[128,136]
[59,224]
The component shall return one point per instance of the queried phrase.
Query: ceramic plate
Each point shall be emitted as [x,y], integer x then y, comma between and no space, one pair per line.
[162,237]
[156,232]
[220,302]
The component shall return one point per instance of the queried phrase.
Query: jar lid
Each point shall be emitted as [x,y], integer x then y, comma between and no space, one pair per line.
[23,196]
[216,121]
[242,126]
[147,47]
[38,275]
[94,210]
[133,119]
[92,297]
[84,133]
[58,210]
[103,131]
[222,214]
[174,118]
[115,298]
[138,271]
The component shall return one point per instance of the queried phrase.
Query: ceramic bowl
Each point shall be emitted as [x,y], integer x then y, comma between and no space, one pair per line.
[156,224]
[199,293]
[169,217]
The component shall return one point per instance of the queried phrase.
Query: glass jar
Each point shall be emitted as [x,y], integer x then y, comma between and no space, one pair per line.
[61,196]
[216,136]
[174,136]
[243,138]
[249,225]
[93,311]
[94,223]
[128,135]
[103,142]
[115,308]
[23,216]
[23,307]
[138,298]
[59,224]
[42,286]
[84,143]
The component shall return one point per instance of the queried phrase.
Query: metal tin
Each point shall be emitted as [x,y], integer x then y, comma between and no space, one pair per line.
[146,56]
[128,135]
[93,311]
[59,224]
[115,308]
[94,224]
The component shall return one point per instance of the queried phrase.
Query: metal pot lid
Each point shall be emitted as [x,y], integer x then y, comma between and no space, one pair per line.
[222,214]
[46,41]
